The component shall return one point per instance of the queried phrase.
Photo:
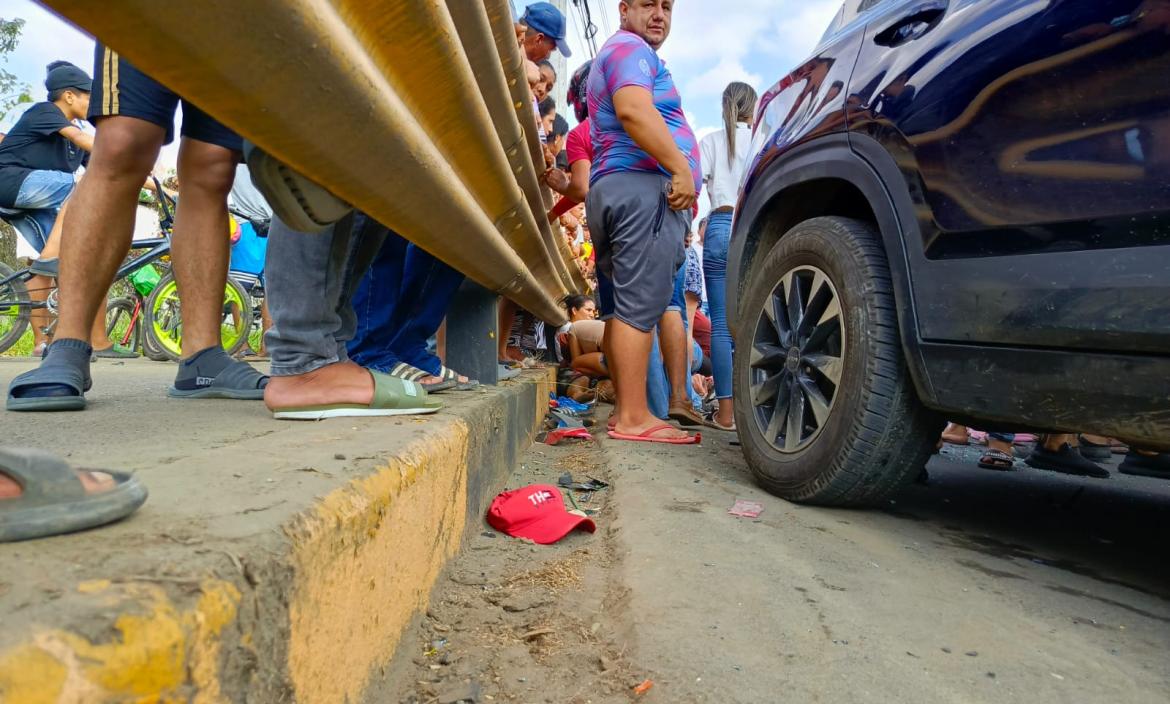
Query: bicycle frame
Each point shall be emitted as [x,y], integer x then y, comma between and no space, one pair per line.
[158,248]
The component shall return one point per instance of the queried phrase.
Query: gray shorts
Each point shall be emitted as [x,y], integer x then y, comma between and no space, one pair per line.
[638,241]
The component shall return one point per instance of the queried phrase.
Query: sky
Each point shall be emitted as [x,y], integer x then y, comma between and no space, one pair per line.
[712,42]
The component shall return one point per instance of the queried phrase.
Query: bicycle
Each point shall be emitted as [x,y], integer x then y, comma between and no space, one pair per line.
[154,321]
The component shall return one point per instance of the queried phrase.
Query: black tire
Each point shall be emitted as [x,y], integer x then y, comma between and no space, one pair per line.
[119,311]
[873,435]
[150,348]
[166,287]
[14,317]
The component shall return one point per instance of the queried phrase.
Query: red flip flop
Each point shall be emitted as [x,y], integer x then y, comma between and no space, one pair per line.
[647,436]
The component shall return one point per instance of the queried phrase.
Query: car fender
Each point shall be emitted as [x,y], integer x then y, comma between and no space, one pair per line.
[861,162]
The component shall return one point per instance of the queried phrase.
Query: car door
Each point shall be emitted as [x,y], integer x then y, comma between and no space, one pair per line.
[1034,139]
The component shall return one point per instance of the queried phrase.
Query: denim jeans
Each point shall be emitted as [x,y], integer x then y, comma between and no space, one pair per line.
[311,280]
[657,380]
[40,198]
[715,272]
[400,304]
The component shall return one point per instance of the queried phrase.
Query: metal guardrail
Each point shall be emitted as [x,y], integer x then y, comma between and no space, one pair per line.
[415,111]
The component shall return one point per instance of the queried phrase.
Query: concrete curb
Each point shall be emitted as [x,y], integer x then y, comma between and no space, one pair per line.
[315,600]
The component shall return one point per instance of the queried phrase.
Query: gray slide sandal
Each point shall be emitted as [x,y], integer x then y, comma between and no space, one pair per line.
[54,501]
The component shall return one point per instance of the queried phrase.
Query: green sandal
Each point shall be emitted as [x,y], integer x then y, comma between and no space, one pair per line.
[392,397]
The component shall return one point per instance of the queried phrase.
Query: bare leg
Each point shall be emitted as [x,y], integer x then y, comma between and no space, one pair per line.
[341,382]
[630,349]
[441,341]
[52,248]
[507,313]
[38,290]
[97,334]
[265,323]
[101,219]
[200,242]
[672,338]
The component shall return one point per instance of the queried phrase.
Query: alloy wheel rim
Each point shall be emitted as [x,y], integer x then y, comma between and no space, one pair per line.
[797,358]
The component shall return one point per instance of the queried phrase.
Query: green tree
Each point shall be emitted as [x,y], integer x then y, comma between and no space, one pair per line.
[13,91]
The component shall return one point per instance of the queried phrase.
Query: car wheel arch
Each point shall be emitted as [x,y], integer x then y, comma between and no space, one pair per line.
[842,175]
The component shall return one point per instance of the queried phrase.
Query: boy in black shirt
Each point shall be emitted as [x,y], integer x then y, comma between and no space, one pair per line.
[43,149]
[37,160]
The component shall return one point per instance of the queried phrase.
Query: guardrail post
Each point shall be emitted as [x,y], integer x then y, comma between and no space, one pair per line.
[471,333]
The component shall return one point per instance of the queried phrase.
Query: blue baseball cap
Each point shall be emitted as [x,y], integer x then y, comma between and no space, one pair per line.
[548,20]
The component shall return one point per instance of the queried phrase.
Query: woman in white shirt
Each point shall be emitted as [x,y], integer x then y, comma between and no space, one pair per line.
[724,158]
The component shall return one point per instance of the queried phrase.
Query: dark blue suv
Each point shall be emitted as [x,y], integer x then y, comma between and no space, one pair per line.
[957,209]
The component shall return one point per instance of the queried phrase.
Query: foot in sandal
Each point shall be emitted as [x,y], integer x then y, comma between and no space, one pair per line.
[40,495]
[344,389]
[650,429]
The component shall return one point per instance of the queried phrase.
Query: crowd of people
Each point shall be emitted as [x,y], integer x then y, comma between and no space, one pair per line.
[354,312]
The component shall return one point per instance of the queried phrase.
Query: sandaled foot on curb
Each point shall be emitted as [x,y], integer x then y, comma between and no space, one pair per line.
[238,381]
[393,396]
[997,459]
[407,372]
[54,501]
[648,435]
[58,384]
[448,374]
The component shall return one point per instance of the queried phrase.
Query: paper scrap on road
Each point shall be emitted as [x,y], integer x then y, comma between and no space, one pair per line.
[746,509]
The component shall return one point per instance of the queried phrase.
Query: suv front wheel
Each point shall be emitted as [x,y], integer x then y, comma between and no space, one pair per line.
[825,406]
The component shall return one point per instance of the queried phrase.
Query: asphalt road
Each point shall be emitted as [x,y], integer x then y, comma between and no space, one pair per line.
[978,587]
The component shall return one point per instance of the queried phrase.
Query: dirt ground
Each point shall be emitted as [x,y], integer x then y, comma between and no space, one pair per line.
[976,587]
[519,622]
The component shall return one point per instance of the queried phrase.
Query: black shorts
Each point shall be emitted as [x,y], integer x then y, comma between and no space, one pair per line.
[121,89]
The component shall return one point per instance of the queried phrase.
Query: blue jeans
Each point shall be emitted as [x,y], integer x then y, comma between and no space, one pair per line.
[715,271]
[657,380]
[400,304]
[40,197]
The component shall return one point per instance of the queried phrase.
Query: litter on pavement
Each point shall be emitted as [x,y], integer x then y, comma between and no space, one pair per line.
[536,512]
[746,509]
[566,481]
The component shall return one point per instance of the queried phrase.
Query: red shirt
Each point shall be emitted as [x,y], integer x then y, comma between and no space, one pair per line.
[702,333]
[579,145]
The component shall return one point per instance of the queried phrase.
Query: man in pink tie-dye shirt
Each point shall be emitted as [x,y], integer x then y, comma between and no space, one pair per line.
[644,179]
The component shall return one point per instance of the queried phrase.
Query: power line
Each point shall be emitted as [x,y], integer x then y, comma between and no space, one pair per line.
[588,28]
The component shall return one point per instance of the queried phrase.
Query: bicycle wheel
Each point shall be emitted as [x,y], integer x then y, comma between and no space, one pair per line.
[14,309]
[122,327]
[165,317]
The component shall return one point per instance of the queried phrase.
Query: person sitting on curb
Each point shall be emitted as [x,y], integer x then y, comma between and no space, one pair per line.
[134,116]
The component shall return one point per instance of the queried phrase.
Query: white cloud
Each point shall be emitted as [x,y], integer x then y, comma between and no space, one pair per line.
[713,43]
[710,83]
[47,37]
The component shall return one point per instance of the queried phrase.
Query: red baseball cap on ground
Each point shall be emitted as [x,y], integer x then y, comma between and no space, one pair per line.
[536,512]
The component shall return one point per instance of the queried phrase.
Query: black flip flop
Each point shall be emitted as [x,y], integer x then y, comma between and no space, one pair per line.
[54,501]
